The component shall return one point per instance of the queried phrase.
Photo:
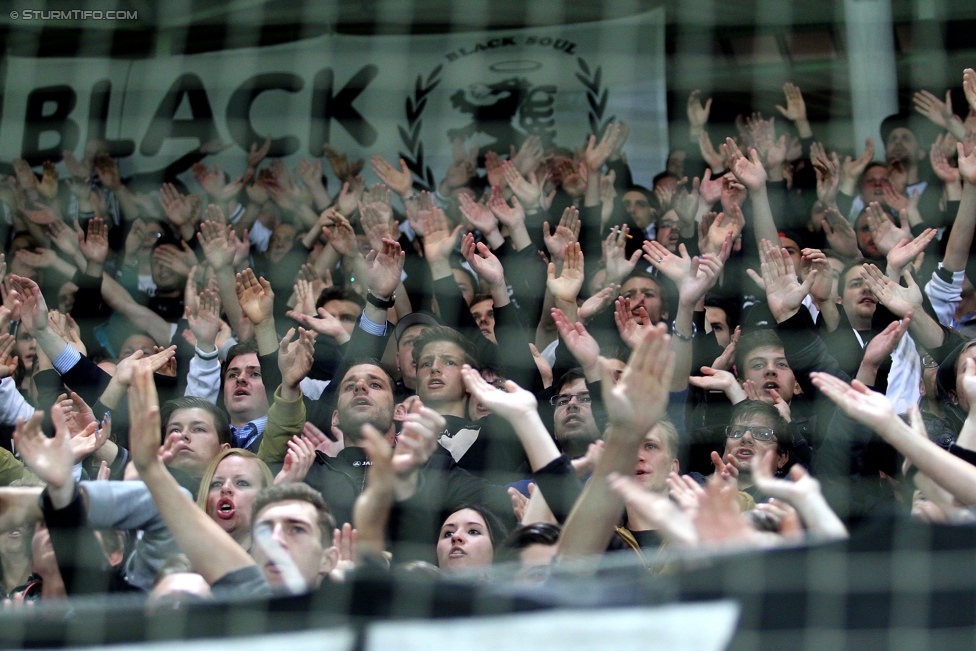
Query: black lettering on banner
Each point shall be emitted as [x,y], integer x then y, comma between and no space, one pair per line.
[201,126]
[98,117]
[36,122]
[239,111]
[327,107]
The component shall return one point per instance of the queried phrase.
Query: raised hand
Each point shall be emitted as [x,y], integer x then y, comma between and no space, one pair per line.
[795,109]
[39,259]
[617,265]
[478,215]
[596,155]
[639,398]
[126,368]
[899,300]
[178,261]
[94,244]
[341,236]
[51,459]
[840,234]
[883,231]
[713,379]
[710,190]
[530,192]
[214,239]
[400,181]
[257,153]
[784,292]
[512,403]
[726,227]
[967,163]
[675,267]
[255,296]
[857,401]
[144,437]
[295,357]
[749,171]
[33,308]
[852,168]
[349,195]
[8,364]
[178,206]
[439,240]
[483,261]
[940,164]
[529,155]
[713,159]
[512,216]
[384,268]
[597,303]
[698,112]
[823,287]
[630,326]
[905,252]
[298,461]
[884,343]
[48,185]
[938,112]
[674,525]
[578,341]
[570,281]
[204,320]
[309,171]
[325,325]
[40,213]
[704,273]
[969,87]
[828,174]
[344,169]
[66,328]
[418,438]
[567,232]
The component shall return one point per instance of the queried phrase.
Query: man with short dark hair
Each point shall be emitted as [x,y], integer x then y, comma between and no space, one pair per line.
[485,447]
[574,427]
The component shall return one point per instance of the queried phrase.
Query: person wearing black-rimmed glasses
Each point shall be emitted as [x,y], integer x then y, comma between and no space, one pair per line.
[756,427]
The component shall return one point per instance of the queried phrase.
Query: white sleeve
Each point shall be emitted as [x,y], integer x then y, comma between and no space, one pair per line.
[945,296]
[12,404]
[203,379]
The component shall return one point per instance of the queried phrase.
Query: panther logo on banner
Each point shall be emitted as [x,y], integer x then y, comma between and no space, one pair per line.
[499,114]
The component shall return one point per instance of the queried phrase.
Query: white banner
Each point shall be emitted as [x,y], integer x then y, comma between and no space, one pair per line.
[396,96]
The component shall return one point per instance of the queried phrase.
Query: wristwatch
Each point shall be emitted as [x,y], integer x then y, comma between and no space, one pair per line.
[383,304]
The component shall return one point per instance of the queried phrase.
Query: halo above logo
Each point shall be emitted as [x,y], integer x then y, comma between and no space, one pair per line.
[515,66]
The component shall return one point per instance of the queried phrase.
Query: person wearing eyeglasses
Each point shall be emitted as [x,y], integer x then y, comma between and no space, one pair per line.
[574,427]
[756,427]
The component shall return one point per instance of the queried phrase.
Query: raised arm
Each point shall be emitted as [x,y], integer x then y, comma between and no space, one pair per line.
[961,236]
[751,173]
[520,409]
[876,412]
[213,553]
[635,404]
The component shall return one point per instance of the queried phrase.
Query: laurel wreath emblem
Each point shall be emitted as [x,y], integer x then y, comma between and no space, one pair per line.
[595,96]
[411,135]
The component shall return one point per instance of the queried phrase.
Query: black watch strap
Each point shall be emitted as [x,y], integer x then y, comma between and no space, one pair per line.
[379,302]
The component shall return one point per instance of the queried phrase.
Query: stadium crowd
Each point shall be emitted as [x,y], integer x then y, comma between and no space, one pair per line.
[244,385]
